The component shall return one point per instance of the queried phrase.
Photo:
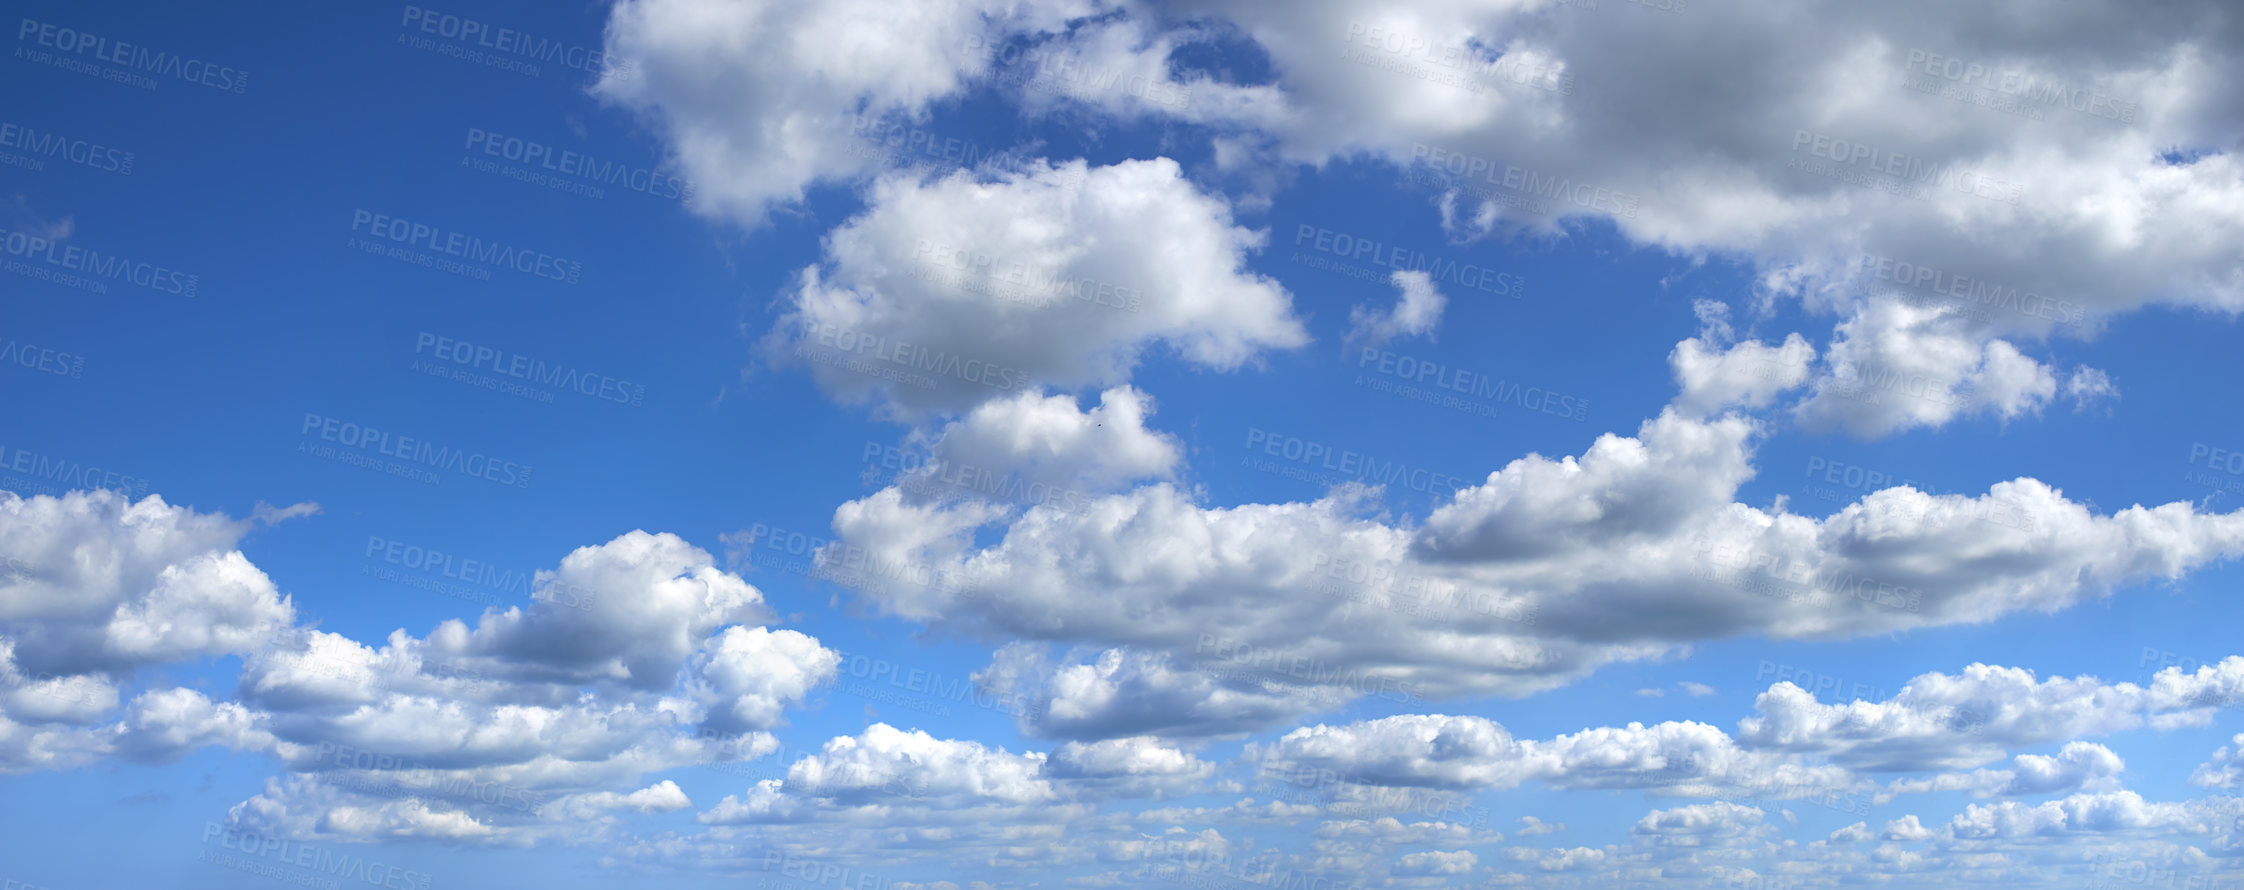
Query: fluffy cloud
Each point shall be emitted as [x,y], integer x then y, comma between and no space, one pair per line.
[1416,313]
[753,673]
[1456,752]
[1137,766]
[647,601]
[2078,766]
[1945,721]
[1893,367]
[2226,767]
[2077,205]
[886,768]
[758,101]
[99,583]
[1033,444]
[1544,571]
[1749,374]
[949,292]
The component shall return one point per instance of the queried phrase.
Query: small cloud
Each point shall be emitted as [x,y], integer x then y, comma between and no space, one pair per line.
[268,514]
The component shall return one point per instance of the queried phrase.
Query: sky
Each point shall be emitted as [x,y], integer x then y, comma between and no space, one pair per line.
[1121,443]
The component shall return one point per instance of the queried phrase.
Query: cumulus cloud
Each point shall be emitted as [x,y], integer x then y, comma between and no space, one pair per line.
[1458,752]
[1032,445]
[648,601]
[889,767]
[2078,766]
[100,583]
[758,101]
[1416,313]
[949,292]
[751,674]
[1548,569]
[1893,367]
[2226,767]
[1749,374]
[1953,720]
[2078,208]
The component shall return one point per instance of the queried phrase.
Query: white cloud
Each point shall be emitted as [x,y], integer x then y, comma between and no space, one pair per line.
[648,601]
[1417,312]
[950,292]
[1458,752]
[751,674]
[1545,571]
[1436,862]
[1894,367]
[1943,721]
[2226,767]
[1751,374]
[2078,766]
[1048,444]
[759,100]
[105,584]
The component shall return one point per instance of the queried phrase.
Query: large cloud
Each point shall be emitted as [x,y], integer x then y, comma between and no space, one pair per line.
[760,100]
[1543,572]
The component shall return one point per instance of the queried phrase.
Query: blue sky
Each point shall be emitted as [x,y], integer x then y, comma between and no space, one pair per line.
[1088,444]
